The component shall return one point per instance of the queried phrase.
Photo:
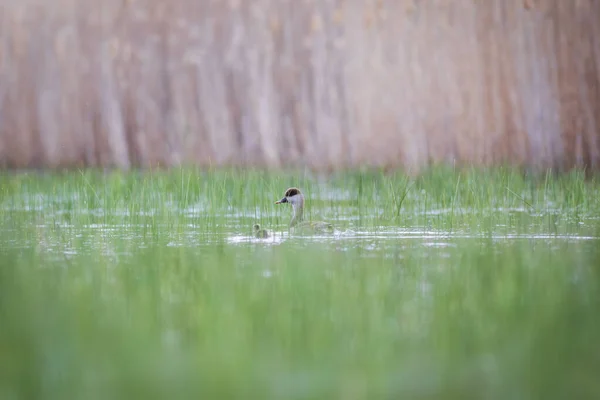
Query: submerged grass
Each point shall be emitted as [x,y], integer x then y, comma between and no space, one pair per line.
[454,284]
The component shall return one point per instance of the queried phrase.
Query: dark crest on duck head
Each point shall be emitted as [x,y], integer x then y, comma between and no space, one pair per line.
[291,192]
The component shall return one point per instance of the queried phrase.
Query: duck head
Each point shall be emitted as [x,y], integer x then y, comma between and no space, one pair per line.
[295,197]
[292,196]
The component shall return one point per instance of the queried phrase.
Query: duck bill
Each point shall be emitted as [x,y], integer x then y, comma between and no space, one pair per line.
[284,200]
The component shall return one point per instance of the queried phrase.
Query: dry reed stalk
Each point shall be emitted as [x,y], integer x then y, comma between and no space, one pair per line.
[328,84]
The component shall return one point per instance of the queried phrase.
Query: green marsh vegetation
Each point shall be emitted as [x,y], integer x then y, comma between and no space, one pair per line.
[453,284]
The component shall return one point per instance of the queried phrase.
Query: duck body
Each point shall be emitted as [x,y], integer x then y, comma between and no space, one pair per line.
[298,225]
[312,227]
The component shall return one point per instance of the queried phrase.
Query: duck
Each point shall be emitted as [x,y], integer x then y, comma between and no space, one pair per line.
[260,233]
[295,197]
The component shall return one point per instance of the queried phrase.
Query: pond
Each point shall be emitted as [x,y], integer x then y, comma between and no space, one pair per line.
[454,284]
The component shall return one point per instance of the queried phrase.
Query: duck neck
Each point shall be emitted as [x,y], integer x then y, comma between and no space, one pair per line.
[297,213]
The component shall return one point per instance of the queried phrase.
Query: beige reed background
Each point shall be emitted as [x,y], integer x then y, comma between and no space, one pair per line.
[327,84]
